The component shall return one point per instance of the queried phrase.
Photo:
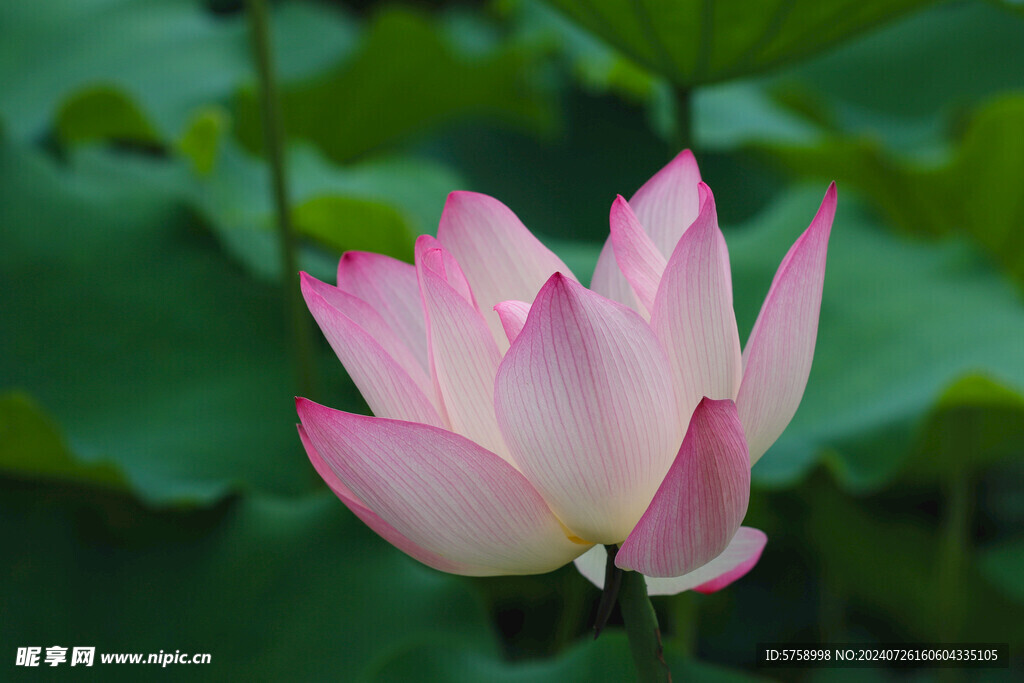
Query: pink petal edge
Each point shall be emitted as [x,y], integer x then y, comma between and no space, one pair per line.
[636,255]
[441,491]
[513,316]
[778,355]
[378,525]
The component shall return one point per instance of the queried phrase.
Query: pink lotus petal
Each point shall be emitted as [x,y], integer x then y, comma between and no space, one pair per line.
[608,280]
[390,286]
[431,253]
[441,491]
[513,316]
[366,316]
[668,203]
[501,258]
[586,406]
[702,501]
[463,353]
[665,205]
[382,528]
[739,558]
[385,372]
[778,355]
[693,315]
[635,253]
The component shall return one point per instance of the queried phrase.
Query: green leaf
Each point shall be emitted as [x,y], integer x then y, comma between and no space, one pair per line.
[973,193]
[32,446]
[695,42]
[976,424]
[271,589]
[900,322]
[887,82]
[404,79]
[103,113]
[597,66]
[150,350]
[202,140]
[724,116]
[732,115]
[169,56]
[344,223]
[1003,566]
[1012,5]
[887,562]
[378,204]
[151,369]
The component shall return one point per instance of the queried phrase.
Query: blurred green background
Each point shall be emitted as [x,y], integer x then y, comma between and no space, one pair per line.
[154,493]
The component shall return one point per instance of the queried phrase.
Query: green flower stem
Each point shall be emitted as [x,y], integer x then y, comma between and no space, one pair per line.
[955,548]
[273,133]
[953,561]
[683,613]
[682,130]
[642,629]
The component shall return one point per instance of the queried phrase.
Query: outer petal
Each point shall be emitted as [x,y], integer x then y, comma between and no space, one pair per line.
[382,528]
[778,355]
[701,502]
[501,258]
[390,286]
[441,491]
[693,315]
[513,316]
[587,409]
[668,203]
[636,255]
[739,558]
[463,353]
[385,372]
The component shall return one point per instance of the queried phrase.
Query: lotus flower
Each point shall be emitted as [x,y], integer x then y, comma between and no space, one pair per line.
[523,420]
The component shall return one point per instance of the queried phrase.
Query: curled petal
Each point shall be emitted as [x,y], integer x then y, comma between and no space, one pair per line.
[431,254]
[390,287]
[513,316]
[693,315]
[701,502]
[778,355]
[586,407]
[385,372]
[441,491]
[738,558]
[636,255]
[367,516]
[500,256]
[463,353]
